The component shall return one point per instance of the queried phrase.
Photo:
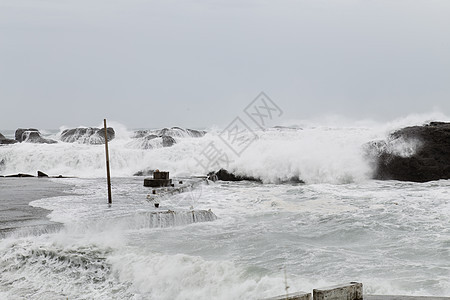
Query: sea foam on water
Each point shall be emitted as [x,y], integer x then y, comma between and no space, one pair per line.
[338,226]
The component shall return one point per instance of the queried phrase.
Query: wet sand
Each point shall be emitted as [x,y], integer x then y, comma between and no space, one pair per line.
[16,213]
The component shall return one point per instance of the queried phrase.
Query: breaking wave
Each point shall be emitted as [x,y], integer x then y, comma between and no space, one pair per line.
[313,153]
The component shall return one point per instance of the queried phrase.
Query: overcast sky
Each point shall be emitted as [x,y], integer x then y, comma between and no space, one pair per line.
[196,63]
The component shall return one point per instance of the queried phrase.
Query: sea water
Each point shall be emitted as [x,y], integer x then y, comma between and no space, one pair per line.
[338,226]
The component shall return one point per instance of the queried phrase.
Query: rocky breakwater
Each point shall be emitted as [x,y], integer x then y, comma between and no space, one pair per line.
[89,135]
[416,153]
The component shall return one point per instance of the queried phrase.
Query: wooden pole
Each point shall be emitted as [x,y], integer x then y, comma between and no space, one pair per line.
[108,175]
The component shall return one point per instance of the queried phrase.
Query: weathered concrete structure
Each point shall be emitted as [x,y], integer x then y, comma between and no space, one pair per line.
[160,179]
[293,296]
[393,297]
[351,291]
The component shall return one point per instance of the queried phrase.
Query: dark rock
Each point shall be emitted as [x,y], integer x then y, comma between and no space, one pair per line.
[2,164]
[153,141]
[31,135]
[416,153]
[41,174]
[179,132]
[293,180]
[20,131]
[224,175]
[212,176]
[5,141]
[19,175]
[93,136]
[168,141]
[167,136]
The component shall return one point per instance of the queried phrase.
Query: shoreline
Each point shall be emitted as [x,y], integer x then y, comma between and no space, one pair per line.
[17,214]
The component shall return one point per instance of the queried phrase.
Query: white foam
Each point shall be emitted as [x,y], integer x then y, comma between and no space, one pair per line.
[314,154]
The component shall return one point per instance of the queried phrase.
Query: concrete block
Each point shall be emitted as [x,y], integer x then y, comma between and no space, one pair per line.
[396,297]
[350,291]
[161,175]
[292,296]
[150,182]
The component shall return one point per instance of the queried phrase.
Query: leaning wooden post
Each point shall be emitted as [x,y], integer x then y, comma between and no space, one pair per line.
[108,175]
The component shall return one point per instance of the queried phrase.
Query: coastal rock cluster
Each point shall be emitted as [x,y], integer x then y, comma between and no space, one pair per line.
[80,135]
[31,135]
[149,139]
[90,135]
[225,175]
[142,139]
[40,174]
[416,153]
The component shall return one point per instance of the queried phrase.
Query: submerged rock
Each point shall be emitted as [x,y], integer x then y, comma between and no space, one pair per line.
[416,153]
[224,175]
[20,175]
[31,135]
[39,175]
[90,135]
[6,141]
[293,180]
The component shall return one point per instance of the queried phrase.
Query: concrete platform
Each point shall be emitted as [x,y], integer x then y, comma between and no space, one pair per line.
[348,291]
[396,297]
[292,296]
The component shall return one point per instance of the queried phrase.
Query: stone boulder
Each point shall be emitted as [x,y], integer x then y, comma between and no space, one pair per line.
[19,133]
[6,141]
[179,132]
[31,135]
[416,153]
[168,141]
[92,136]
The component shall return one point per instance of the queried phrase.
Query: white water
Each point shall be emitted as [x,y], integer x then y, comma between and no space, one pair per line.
[340,226]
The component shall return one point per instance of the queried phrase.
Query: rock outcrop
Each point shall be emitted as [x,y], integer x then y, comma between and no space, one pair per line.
[149,139]
[224,175]
[416,153]
[6,141]
[31,135]
[173,132]
[93,136]
[168,141]
[40,174]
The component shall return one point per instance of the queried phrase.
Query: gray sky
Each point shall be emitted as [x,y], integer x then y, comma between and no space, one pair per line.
[196,63]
